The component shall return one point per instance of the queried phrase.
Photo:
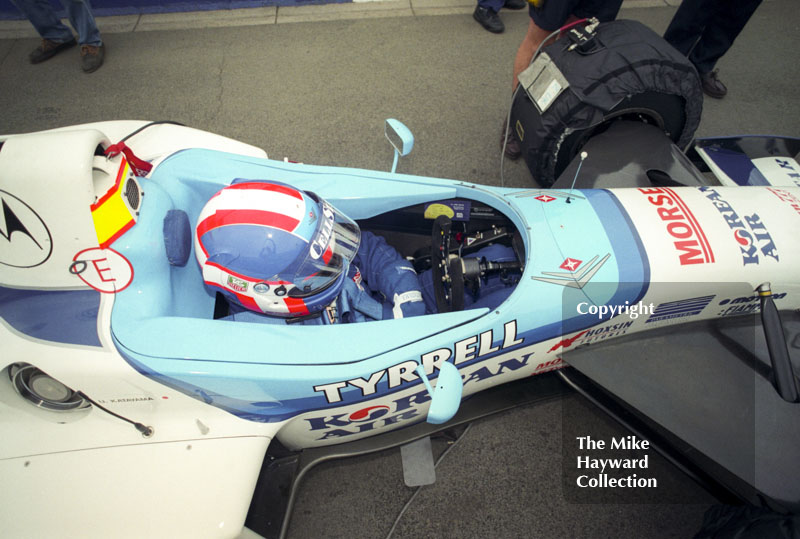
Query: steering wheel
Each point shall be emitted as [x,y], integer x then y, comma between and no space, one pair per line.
[448,273]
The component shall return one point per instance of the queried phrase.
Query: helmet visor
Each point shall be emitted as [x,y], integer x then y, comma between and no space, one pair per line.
[331,249]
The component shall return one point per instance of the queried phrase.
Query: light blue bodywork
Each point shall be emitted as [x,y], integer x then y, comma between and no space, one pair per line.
[163,323]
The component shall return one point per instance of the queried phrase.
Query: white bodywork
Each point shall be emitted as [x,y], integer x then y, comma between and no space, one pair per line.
[97,475]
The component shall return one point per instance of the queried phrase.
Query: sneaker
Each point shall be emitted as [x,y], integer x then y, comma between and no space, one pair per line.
[92,57]
[47,49]
[515,4]
[513,150]
[489,20]
[712,86]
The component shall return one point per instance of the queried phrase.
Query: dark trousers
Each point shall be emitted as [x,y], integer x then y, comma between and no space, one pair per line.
[493,5]
[704,30]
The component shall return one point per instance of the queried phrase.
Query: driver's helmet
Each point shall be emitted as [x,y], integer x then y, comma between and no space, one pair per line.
[274,249]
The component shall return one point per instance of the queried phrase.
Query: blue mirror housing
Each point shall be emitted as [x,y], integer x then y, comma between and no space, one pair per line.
[446,399]
[400,137]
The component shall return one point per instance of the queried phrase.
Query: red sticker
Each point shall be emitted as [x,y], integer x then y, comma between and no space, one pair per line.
[570,264]
[105,270]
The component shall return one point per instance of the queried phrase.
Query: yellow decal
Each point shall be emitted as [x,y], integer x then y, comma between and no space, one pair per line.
[111,215]
[435,210]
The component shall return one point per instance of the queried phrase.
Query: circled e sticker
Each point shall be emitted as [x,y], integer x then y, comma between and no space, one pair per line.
[105,270]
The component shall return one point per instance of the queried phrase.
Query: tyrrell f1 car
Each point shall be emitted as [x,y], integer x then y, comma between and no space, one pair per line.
[120,366]
[138,363]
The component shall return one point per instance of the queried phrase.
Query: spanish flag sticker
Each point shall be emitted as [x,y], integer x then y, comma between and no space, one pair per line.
[112,217]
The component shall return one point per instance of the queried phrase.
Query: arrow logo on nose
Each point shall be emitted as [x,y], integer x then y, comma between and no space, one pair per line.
[574,279]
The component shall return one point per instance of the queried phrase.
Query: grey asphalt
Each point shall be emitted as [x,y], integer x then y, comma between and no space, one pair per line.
[314,84]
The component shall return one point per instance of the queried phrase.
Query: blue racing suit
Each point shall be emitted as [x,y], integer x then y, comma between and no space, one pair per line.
[380,285]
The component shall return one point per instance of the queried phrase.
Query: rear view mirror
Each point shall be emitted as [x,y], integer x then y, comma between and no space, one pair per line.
[400,137]
[446,398]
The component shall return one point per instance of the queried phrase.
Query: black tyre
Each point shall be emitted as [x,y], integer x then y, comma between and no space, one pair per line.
[666,111]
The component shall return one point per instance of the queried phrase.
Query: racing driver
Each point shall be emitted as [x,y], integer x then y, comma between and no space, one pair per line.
[283,255]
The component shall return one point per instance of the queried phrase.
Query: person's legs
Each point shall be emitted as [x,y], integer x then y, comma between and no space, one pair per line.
[486,15]
[494,5]
[56,36]
[688,24]
[41,15]
[704,30]
[82,20]
[720,32]
[602,10]
[534,37]
[543,22]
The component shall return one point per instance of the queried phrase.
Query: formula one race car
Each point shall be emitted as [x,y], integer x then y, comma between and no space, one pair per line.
[120,367]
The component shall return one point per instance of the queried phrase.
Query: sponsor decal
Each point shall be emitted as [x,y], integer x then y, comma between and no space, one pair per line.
[566,343]
[371,412]
[547,366]
[234,283]
[593,335]
[679,309]
[407,408]
[105,270]
[462,351]
[689,239]
[787,167]
[369,418]
[786,197]
[575,277]
[25,241]
[509,365]
[323,237]
[605,332]
[743,305]
[749,232]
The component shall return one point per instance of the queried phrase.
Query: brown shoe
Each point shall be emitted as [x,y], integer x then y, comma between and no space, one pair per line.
[47,49]
[512,148]
[92,57]
[712,86]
